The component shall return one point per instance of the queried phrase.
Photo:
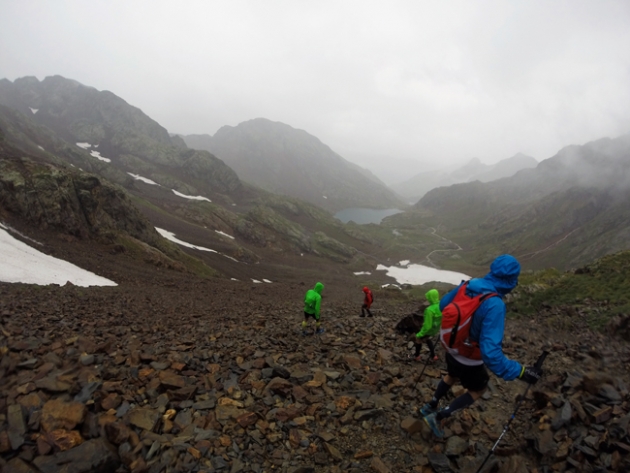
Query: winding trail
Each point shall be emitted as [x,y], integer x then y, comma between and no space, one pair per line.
[428,257]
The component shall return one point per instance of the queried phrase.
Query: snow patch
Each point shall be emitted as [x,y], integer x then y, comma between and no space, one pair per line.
[171,236]
[224,234]
[192,197]
[404,262]
[361,272]
[395,286]
[40,147]
[34,110]
[418,274]
[233,279]
[84,145]
[143,179]
[98,156]
[267,281]
[325,197]
[22,263]
[256,281]
[229,257]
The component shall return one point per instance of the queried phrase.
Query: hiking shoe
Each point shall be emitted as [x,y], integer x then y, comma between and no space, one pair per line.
[435,358]
[418,358]
[434,424]
[427,409]
[362,315]
[319,331]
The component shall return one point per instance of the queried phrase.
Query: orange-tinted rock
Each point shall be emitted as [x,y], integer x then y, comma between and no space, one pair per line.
[58,414]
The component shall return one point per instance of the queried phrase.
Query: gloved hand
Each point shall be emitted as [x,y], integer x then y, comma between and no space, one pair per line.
[531,374]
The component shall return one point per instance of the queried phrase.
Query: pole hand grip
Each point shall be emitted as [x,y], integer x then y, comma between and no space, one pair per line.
[541,359]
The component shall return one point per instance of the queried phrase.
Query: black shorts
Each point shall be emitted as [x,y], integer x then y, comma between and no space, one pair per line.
[307,315]
[473,378]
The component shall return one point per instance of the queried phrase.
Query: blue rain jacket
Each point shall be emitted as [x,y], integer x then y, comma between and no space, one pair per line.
[489,319]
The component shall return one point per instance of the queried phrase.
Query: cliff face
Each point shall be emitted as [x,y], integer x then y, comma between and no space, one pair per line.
[72,202]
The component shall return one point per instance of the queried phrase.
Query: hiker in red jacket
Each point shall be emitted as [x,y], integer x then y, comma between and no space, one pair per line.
[367,302]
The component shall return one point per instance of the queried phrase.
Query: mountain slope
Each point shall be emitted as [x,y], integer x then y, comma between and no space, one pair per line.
[189,193]
[474,170]
[567,211]
[284,160]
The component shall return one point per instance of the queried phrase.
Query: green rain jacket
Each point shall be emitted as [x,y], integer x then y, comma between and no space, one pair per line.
[313,300]
[432,315]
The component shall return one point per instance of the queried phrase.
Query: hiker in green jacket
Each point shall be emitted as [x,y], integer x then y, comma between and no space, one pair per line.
[312,305]
[431,324]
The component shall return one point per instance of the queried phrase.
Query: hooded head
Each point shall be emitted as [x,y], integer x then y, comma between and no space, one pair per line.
[365,289]
[503,274]
[318,287]
[433,296]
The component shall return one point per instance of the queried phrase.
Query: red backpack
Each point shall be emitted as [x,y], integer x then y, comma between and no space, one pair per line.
[457,318]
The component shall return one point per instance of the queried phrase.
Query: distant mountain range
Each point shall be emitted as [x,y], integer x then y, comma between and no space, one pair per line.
[569,210]
[474,170]
[288,161]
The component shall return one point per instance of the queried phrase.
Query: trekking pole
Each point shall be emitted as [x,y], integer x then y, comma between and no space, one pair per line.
[428,358]
[538,364]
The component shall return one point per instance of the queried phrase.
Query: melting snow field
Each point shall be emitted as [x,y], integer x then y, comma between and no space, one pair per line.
[171,236]
[192,197]
[84,145]
[361,272]
[21,263]
[143,179]
[418,274]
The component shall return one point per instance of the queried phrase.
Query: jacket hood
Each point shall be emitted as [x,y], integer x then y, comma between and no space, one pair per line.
[318,287]
[504,272]
[366,289]
[433,296]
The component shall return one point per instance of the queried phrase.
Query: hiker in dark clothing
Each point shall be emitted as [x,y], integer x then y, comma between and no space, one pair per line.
[467,362]
[367,302]
[312,306]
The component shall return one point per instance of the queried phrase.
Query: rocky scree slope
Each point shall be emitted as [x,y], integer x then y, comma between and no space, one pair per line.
[189,375]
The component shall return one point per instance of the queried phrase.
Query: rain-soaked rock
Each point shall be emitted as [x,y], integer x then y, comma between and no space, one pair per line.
[379,466]
[17,427]
[563,416]
[144,418]
[455,446]
[93,456]
[440,463]
[57,414]
[279,386]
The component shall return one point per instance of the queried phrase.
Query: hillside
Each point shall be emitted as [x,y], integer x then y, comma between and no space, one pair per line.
[287,161]
[416,187]
[189,193]
[566,212]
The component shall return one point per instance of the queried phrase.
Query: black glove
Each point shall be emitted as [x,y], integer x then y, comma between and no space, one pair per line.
[531,374]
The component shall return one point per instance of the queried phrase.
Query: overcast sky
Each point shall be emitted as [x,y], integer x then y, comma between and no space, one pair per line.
[380,82]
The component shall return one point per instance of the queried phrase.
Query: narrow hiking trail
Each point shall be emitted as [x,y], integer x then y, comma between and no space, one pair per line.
[428,257]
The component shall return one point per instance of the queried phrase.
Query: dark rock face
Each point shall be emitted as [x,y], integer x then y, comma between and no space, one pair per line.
[76,203]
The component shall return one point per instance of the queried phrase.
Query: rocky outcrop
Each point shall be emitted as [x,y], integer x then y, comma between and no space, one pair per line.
[73,202]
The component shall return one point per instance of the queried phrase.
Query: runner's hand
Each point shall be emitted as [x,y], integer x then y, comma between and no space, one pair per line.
[531,374]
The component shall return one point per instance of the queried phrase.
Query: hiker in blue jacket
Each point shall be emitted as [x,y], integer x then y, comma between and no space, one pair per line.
[487,330]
